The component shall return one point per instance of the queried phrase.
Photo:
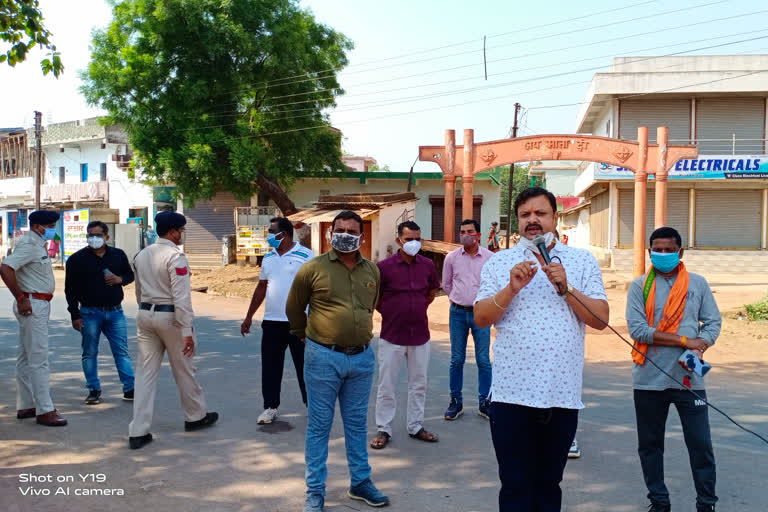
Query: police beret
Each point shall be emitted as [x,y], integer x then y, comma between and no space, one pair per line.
[169,220]
[43,217]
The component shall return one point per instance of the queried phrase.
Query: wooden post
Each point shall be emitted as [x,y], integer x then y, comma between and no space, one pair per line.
[660,185]
[641,180]
[449,211]
[468,176]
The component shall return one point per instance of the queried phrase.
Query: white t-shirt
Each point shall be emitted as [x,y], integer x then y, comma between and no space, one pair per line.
[279,272]
[538,355]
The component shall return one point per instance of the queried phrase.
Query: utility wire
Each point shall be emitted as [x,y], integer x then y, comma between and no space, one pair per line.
[331,71]
[518,56]
[384,103]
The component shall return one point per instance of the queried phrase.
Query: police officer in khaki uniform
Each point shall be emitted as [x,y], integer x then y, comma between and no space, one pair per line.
[165,323]
[29,276]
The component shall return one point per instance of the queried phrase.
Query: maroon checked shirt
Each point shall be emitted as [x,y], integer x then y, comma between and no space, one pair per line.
[404,293]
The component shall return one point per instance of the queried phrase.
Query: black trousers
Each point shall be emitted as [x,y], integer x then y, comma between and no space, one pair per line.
[531,448]
[651,410]
[275,338]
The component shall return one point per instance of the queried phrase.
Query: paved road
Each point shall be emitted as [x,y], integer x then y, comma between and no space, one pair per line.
[240,466]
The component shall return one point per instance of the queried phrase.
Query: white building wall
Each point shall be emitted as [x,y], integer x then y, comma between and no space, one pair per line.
[124,193]
[306,192]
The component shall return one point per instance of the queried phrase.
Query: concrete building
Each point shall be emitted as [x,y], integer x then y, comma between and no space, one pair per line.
[718,202]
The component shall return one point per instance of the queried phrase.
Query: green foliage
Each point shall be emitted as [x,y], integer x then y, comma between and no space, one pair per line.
[758,310]
[21,28]
[219,94]
[376,168]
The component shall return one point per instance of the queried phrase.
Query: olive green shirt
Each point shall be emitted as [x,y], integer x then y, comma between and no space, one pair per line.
[341,301]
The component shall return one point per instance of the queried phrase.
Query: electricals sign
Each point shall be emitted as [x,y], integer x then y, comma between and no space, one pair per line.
[718,167]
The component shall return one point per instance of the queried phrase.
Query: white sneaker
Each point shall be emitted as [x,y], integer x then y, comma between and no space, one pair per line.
[574,452]
[267,416]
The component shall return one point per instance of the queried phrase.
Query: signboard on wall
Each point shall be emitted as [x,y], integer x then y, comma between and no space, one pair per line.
[75,232]
[718,167]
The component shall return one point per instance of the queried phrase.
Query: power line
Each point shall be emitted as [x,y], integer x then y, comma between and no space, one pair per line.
[451,93]
[506,96]
[535,54]
[330,71]
[461,43]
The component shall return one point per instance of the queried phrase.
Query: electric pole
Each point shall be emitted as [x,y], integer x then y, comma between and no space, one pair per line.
[511,179]
[39,156]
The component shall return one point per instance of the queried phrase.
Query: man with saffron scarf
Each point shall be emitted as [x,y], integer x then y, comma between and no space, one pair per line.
[670,310]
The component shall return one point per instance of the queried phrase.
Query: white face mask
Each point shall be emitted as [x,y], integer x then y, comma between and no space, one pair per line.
[344,242]
[95,242]
[528,244]
[411,248]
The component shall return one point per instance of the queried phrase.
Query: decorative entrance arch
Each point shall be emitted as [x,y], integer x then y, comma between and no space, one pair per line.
[638,156]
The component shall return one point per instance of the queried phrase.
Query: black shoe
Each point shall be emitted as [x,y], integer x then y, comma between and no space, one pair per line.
[455,409]
[700,507]
[128,396]
[94,397]
[209,419]
[137,442]
[484,409]
[659,507]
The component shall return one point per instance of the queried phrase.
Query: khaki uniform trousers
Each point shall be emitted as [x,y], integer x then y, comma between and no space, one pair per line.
[157,333]
[33,377]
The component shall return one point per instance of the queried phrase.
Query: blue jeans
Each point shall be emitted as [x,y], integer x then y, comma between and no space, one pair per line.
[460,322]
[330,375]
[112,324]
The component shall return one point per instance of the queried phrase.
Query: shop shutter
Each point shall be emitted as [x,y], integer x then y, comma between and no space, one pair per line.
[719,119]
[728,218]
[677,215]
[209,221]
[674,113]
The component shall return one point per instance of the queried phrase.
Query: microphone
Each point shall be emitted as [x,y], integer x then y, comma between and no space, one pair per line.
[541,244]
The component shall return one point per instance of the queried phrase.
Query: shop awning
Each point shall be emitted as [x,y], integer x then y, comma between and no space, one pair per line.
[315,215]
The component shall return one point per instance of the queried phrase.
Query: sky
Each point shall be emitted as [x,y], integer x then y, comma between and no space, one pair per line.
[417,68]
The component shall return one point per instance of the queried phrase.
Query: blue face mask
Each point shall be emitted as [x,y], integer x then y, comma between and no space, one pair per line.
[273,241]
[665,261]
[49,233]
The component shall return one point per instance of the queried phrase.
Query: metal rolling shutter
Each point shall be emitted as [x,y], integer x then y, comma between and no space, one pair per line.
[208,221]
[728,218]
[676,114]
[722,118]
[438,217]
[598,220]
[677,215]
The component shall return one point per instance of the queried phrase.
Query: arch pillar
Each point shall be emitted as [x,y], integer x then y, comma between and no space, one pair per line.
[660,179]
[641,181]
[468,175]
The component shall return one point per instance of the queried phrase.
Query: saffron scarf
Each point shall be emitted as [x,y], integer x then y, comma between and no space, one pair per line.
[673,309]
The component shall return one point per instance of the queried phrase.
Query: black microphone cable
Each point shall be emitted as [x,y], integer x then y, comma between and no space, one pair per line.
[698,396]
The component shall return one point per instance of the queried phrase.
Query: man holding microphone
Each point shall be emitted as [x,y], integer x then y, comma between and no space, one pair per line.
[538,353]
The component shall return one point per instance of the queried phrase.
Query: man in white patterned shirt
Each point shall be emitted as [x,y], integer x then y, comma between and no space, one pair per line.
[538,353]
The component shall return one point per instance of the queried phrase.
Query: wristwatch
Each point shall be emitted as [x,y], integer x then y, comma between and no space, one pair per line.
[569,287]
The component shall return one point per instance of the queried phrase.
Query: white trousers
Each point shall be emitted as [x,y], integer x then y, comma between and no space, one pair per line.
[33,378]
[391,358]
[157,333]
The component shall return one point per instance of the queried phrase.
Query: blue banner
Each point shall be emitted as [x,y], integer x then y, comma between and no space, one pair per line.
[718,167]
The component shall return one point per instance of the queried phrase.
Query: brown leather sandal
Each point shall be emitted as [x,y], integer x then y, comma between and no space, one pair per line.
[423,435]
[380,441]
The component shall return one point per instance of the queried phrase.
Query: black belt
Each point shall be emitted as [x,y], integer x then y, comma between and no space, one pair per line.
[165,308]
[105,308]
[350,351]
[465,308]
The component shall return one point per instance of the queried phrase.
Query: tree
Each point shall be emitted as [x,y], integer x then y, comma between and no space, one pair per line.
[21,27]
[221,95]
